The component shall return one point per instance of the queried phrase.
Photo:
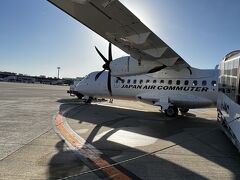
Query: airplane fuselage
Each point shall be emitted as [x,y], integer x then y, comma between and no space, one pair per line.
[164,88]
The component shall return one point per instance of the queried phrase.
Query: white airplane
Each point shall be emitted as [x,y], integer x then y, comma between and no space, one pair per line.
[152,73]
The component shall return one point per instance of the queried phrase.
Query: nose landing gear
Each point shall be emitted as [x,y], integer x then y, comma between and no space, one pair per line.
[183,110]
[79,96]
[88,100]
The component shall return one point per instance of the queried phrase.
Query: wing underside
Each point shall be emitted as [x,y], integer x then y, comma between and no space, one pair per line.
[114,22]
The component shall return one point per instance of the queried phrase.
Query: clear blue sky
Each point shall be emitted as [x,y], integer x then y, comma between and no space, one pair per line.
[36,37]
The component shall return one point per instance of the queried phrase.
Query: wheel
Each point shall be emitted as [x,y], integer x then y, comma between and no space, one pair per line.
[183,110]
[172,111]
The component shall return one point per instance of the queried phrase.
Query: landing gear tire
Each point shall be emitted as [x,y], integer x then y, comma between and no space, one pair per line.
[183,110]
[172,111]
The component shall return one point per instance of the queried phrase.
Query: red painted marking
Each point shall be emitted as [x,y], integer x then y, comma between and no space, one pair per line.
[111,171]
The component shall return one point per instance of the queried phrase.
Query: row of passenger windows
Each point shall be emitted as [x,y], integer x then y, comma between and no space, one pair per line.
[170,82]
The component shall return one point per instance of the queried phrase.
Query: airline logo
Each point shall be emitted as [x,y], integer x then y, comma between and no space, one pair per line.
[166,88]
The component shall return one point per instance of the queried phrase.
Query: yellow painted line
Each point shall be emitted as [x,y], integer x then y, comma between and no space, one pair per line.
[87,150]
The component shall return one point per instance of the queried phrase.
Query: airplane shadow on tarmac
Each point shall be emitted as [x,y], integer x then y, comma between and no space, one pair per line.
[189,132]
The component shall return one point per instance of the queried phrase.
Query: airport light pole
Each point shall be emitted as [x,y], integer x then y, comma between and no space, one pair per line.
[58,68]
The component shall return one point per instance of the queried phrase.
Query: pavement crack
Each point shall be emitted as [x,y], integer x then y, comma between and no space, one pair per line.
[25,144]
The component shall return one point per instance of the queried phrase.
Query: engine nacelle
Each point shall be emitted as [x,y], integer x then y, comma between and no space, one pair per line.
[127,66]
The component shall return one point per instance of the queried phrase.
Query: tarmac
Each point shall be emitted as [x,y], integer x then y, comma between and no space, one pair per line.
[45,134]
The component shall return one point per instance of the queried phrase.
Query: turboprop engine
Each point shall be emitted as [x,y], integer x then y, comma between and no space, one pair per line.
[127,66]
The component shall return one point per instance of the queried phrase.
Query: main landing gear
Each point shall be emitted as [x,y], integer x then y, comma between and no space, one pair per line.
[172,111]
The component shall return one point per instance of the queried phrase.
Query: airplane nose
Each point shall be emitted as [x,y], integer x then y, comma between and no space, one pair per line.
[81,88]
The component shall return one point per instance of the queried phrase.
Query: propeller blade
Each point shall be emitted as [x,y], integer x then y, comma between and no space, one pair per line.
[100,54]
[110,52]
[98,74]
[109,83]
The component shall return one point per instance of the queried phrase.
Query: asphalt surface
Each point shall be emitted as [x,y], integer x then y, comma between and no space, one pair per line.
[142,142]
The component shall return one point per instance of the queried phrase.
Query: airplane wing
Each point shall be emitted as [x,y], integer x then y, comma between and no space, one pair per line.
[114,22]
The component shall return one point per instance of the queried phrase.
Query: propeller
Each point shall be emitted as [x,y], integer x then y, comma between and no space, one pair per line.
[106,66]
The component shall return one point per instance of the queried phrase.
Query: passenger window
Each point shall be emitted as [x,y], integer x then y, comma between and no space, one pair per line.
[204,83]
[154,81]
[141,81]
[169,82]
[178,82]
[162,81]
[122,80]
[128,81]
[186,82]
[147,81]
[134,81]
[195,83]
[214,83]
